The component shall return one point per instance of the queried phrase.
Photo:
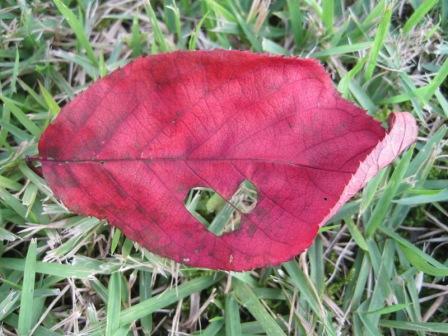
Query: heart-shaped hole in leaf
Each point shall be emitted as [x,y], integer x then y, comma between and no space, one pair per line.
[218,215]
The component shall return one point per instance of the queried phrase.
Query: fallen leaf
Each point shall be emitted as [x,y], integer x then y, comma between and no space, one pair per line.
[133,144]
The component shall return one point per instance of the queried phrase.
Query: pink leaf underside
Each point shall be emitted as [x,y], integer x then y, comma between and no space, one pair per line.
[134,143]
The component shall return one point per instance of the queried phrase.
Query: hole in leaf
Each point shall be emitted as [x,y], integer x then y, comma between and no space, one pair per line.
[218,215]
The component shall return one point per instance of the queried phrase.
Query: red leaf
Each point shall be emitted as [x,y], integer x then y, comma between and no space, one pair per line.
[131,147]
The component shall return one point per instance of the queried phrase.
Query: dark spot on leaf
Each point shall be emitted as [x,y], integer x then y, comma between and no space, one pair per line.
[52,152]
[251,230]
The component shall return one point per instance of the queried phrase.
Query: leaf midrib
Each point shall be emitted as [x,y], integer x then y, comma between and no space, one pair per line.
[174,159]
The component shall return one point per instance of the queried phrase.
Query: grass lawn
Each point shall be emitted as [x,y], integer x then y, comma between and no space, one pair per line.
[65,274]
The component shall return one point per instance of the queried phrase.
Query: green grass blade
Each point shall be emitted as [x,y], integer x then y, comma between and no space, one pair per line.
[417,257]
[158,35]
[53,107]
[213,328]
[426,327]
[145,292]
[220,10]
[245,27]
[437,81]
[9,303]
[5,120]
[389,309]
[115,240]
[166,298]
[12,202]
[443,102]
[370,191]
[60,270]
[136,38]
[361,274]
[328,14]
[21,116]
[362,97]
[439,196]
[250,301]
[418,14]
[296,20]
[421,264]
[113,304]
[356,234]
[341,50]
[77,28]
[378,43]
[26,298]
[12,320]
[175,14]
[272,47]
[385,202]
[382,284]
[15,72]
[232,317]
[309,293]
[315,255]
[299,280]
[192,42]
